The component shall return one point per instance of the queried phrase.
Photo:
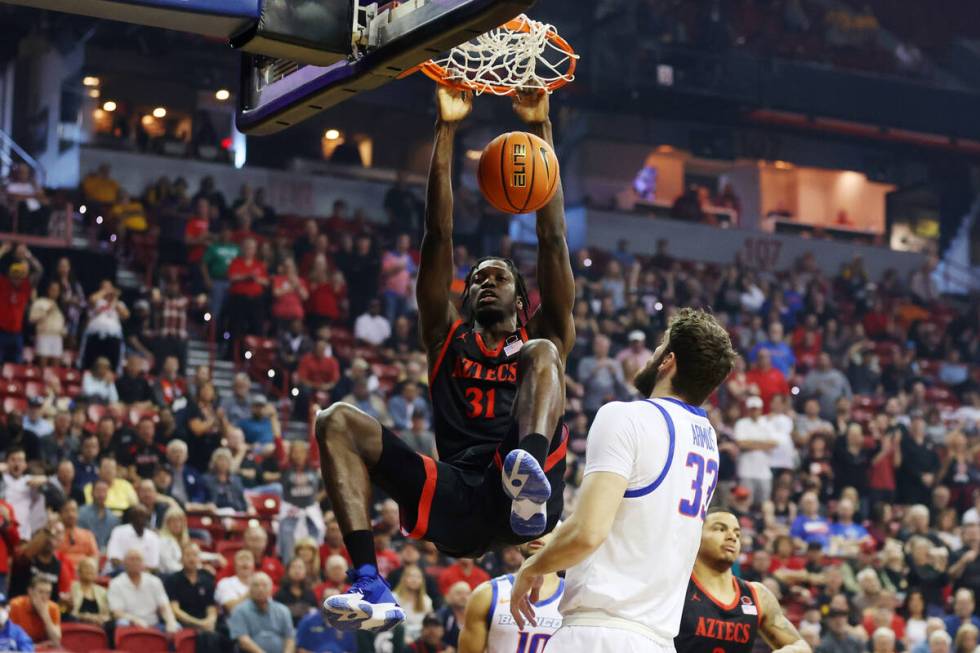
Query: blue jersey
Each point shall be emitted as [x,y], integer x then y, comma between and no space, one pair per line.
[314,635]
[13,638]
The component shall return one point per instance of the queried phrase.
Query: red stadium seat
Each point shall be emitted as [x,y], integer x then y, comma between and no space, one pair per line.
[82,638]
[28,373]
[67,374]
[267,505]
[11,404]
[143,640]
[185,641]
[10,388]
[7,371]
[228,548]
[72,390]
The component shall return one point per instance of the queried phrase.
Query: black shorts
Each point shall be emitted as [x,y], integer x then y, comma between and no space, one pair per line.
[465,513]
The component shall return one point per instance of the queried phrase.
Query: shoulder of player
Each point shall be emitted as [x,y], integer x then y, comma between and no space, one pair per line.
[479,603]
[766,601]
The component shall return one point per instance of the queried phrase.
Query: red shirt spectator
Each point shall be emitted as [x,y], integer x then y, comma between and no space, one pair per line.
[252,270]
[289,292]
[9,535]
[463,569]
[318,368]
[768,379]
[195,236]
[270,565]
[15,292]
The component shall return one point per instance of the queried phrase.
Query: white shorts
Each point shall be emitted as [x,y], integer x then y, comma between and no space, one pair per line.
[596,639]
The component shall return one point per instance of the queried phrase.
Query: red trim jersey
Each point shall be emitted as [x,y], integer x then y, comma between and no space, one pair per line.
[709,626]
[473,391]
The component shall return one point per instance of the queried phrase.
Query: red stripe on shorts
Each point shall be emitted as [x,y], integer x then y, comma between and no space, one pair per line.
[425,500]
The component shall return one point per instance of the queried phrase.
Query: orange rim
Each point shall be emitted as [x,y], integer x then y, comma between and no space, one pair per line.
[440,74]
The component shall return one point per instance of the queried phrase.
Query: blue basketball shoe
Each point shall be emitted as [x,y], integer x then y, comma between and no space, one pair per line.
[527,485]
[367,605]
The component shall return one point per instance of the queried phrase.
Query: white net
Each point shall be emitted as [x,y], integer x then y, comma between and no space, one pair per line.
[524,54]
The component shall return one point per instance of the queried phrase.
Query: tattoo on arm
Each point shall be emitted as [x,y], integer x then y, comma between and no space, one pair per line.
[775,628]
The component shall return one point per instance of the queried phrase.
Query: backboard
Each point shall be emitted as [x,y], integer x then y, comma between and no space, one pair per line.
[386,42]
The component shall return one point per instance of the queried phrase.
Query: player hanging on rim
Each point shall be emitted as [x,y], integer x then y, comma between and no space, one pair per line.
[496,376]
[488,626]
[724,614]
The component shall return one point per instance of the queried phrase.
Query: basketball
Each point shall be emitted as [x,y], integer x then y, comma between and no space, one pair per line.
[518,172]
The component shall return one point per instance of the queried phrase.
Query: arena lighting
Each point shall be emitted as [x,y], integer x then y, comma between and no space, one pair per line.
[587,263]
[272,374]
[109,106]
[147,120]
[98,220]
[159,112]
[112,238]
[227,335]
[248,355]
[94,93]
[658,306]
[294,392]
[82,209]
[474,155]
[222,94]
[795,390]
[88,80]
[331,134]
[207,317]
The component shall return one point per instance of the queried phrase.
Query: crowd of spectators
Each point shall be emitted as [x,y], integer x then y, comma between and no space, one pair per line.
[137,494]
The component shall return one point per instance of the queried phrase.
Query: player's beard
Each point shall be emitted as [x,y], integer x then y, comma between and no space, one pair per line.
[647,378]
[489,315]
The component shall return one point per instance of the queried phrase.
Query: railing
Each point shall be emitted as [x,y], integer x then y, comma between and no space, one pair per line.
[6,161]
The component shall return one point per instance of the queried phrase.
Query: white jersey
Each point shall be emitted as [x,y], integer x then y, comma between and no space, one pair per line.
[638,576]
[503,635]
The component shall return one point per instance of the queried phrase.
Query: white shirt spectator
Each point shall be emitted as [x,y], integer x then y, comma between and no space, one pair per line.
[373,329]
[41,427]
[781,427]
[29,506]
[124,538]
[755,463]
[171,557]
[105,319]
[143,601]
[229,589]
[104,389]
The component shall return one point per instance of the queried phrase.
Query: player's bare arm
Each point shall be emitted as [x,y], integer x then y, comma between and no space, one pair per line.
[555,279]
[573,541]
[436,310]
[473,634]
[775,628]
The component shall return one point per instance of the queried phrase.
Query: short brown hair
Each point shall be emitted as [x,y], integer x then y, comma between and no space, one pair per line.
[704,354]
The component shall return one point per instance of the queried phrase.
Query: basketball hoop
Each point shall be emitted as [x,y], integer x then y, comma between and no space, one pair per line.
[520,54]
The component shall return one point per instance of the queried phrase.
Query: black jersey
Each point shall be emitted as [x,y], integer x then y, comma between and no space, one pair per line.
[473,390]
[707,626]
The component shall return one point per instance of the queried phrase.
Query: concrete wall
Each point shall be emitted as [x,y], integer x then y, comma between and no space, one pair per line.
[761,250]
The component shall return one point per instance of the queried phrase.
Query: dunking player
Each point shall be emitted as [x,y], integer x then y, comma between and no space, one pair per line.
[651,467]
[724,614]
[488,625]
[497,383]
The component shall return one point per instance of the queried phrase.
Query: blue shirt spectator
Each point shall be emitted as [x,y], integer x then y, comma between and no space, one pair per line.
[405,404]
[783,358]
[261,620]
[963,606]
[13,637]
[258,426]
[314,635]
[809,526]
